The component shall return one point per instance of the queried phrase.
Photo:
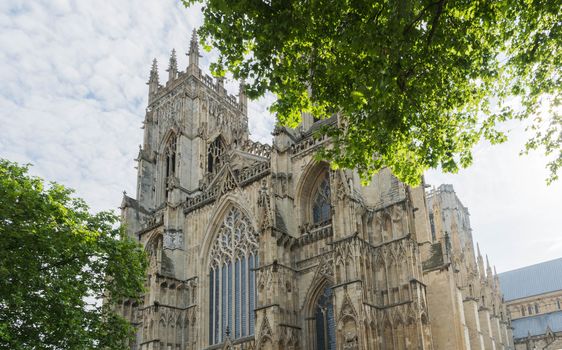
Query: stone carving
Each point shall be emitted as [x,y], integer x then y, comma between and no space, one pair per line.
[265,207]
[350,341]
[173,239]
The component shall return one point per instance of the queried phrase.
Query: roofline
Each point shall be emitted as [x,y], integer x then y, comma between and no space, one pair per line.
[532,295]
[528,266]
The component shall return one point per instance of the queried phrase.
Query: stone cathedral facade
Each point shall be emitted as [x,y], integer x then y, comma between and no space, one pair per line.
[253,246]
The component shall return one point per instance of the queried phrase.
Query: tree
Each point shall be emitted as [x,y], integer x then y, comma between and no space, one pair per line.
[416,83]
[57,262]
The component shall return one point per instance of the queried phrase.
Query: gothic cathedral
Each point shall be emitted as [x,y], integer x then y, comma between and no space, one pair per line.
[253,246]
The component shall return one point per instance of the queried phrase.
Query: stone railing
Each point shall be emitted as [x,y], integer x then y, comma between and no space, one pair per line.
[256,148]
[253,173]
[315,233]
[308,144]
[244,177]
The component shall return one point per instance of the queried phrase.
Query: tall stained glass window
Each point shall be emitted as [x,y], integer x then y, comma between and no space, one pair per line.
[321,202]
[325,323]
[232,287]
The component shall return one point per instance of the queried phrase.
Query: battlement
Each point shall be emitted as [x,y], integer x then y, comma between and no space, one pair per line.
[175,78]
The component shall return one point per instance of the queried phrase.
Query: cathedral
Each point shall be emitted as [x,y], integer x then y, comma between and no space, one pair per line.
[257,246]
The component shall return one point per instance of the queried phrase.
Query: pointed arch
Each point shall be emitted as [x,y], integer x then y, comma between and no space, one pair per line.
[387,333]
[313,194]
[230,247]
[168,161]
[217,216]
[319,315]
[215,152]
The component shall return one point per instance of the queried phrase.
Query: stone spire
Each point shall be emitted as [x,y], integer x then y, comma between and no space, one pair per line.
[489,273]
[173,66]
[194,49]
[153,81]
[480,263]
[242,98]
[153,71]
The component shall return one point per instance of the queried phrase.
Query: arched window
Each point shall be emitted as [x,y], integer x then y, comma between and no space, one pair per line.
[529,309]
[522,311]
[214,154]
[232,292]
[325,323]
[321,209]
[536,308]
[170,162]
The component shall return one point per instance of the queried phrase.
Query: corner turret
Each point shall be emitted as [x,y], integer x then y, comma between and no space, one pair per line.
[193,50]
[172,67]
[481,270]
[153,81]
[242,98]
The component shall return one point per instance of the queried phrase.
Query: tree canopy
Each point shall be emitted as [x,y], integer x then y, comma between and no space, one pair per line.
[57,262]
[416,83]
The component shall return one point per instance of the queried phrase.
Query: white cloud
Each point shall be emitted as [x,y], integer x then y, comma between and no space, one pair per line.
[515,216]
[73,95]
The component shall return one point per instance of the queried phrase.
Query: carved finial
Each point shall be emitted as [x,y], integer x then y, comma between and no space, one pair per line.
[153,81]
[242,98]
[194,49]
[172,66]
[478,249]
[154,71]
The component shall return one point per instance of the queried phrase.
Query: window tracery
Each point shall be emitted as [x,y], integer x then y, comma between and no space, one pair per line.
[321,209]
[214,155]
[325,322]
[170,163]
[232,298]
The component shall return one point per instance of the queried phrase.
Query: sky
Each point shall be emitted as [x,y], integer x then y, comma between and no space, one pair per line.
[73,93]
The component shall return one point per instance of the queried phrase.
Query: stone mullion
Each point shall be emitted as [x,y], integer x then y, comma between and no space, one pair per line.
[386,281]
[246,302]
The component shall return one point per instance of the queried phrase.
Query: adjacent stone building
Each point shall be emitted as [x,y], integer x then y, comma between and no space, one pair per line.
[533,297]
[475,316]
[254,246]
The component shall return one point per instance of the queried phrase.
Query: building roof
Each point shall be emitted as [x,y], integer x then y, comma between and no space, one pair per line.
[532,280]
[537,325]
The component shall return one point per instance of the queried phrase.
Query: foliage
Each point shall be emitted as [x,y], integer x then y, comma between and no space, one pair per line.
[57,262]
[417,83]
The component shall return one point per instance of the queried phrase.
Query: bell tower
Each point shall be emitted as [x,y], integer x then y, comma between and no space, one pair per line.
[185,121]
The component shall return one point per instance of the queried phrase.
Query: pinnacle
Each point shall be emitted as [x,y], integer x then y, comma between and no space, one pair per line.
[194,43]
[194,35]
[154,71]
[173,61]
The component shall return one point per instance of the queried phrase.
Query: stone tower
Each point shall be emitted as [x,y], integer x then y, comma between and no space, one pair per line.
[254,246]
